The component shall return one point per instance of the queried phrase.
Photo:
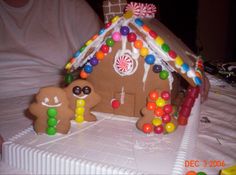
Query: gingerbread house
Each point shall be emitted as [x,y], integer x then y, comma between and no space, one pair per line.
[127,60]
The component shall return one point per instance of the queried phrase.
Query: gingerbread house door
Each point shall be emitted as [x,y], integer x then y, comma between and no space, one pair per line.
[127,104]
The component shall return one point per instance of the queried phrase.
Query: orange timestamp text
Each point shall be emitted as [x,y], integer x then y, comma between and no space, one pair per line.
[204,163]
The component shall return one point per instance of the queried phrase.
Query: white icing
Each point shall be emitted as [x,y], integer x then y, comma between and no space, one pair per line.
[122,96]
[80,97]
[51,106]
[146,69]
[191,73]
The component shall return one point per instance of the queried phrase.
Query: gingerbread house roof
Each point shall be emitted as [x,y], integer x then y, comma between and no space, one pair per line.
[147,43]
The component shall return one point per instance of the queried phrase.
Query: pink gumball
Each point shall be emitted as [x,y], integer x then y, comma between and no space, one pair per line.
[158,129]
[116,36]
[166,118]
[168,108]
[165,95]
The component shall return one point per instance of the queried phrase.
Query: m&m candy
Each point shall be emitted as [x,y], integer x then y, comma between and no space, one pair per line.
[164,75]
[153,95]
[157,68]
[170,127]
[138,44]
[104,48]
[93,61]
[150,59]
[110,42]
[88,69]
[132,37]
[124,30]
[143,51]
[158,129]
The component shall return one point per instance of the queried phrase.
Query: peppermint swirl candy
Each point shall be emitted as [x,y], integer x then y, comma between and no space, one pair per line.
[142,10]
[124,65]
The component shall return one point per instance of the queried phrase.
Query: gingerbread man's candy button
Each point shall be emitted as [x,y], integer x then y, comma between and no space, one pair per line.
[52,112]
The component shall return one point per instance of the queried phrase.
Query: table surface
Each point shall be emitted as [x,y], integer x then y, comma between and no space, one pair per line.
[216,139]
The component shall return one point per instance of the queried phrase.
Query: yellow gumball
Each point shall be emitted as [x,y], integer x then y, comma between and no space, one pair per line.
[79,119]
[143,51]
[79,111]
[160,102]
[178,61]
[159,41]
[128,14]
[68,66]
[80,103]
[113,20]
[170,127]
[88,42]
[156,121]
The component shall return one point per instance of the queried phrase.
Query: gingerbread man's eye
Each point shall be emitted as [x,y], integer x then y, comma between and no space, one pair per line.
[46,100]
[76,90]
[86,90]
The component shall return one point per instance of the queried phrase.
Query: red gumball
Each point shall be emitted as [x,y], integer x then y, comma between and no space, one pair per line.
[147,128]
[165,95]
[105,48]
[182,120]
[166,118]
[158,129]
[168,108]
[151,106]
[115,103]
[132,37]
[153,95]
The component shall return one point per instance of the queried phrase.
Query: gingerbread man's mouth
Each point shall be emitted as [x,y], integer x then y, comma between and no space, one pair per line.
[80,97]
[51,106]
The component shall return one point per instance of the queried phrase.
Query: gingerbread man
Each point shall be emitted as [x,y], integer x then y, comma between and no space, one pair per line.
[52,111]
[82,98]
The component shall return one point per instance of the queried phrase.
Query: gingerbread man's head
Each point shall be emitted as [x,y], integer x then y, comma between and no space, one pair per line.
[82,89]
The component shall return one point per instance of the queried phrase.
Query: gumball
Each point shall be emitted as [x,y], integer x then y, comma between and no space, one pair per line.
[79,111]
[113,20]
[80,103]
[160,102]
[88,69]
[178,61]
[165,47]
[182,120]
[124,30]
[107,25]
[104,48]
[158,129]
[166,118]
[150,59]
[68,78]
[153,95]
[115,103]
[185,111]
[165,95]
[110,42]
[151,106]
[94,37]
[156,121]
[185,67]
[52,122]
[51,131]
[172,54]
[131,37]
[138,44]
[153,34]
[198,81]
[93,61]
[99,55]
[76,54]
[191,173]
[146,28]
[159,112]
[170,127]
[143,51]
[167,108]
[138,21]
[116,36]
[52,112]
[157,68]
[83,74]
[101,31]
[128,14]
[164,75]
[201,173]
[147,128]
[79,119]
[82,48]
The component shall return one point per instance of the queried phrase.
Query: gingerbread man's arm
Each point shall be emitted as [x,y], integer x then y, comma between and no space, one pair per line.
[33,108]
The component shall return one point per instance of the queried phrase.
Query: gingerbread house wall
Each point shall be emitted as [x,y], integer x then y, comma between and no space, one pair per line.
[109,85]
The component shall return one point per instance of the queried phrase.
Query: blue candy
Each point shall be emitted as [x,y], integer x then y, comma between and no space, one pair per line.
[88,68]
[150,59]
[77,54]
[139,22]
[101,31]
[197,81]
[185,67]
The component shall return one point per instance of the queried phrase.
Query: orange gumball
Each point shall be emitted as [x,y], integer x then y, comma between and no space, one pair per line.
[159,112]
[83,74]
[138,44]
[100,55]
[191,173]
[146,28]
[147,128]
[151,105]
[153,95]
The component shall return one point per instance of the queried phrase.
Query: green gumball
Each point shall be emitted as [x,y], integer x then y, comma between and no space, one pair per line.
[52,112]
[51,131]
[164,74]
[52,122]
